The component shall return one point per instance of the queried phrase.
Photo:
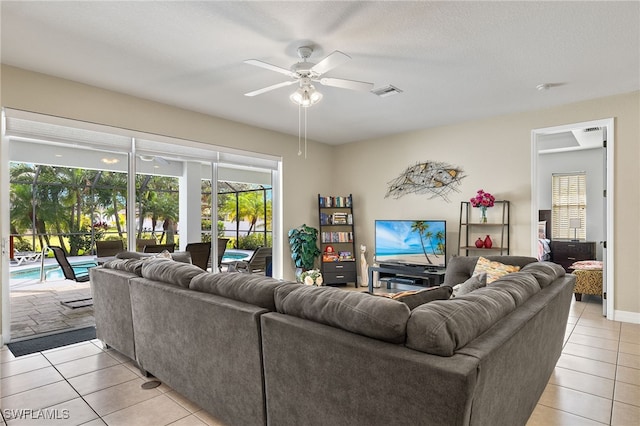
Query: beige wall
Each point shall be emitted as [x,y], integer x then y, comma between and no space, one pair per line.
[494,153]
[496,156]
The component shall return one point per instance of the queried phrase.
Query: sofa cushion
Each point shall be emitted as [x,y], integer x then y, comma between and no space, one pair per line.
[520,285]
[169,271]
[473,283]
[128,265]
[415,298]
[493,269]
[444,326]
[544,272]
[361,313]
[249,288]
[179,256]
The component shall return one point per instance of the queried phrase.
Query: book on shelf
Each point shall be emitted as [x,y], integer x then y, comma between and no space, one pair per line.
[335,201]
[337,237]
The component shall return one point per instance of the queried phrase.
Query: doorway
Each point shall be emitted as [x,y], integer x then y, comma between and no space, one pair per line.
[573,141]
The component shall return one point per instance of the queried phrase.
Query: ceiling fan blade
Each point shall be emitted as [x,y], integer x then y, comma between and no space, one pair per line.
[330,62]
[272,87]
[346,84]
[271,67]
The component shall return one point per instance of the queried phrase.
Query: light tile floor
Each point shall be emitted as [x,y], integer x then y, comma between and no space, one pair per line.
[596,382]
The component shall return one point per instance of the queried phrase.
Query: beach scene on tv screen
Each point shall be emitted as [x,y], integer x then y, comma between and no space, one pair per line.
[420,242]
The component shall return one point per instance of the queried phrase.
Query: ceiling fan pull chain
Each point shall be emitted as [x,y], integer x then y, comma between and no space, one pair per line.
[299,131]
[305,133]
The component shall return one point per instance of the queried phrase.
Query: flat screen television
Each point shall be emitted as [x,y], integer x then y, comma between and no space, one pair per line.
[411,242]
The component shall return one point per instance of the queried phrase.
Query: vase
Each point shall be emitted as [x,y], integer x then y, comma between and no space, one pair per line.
[483,218]
[487,242]
[479,243]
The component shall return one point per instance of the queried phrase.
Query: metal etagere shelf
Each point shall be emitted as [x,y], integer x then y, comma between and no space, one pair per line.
[497,227]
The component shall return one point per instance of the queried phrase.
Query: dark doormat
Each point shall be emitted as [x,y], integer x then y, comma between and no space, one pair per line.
[39,344]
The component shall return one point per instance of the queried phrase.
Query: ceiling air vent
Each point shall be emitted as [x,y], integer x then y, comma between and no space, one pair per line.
[389,90]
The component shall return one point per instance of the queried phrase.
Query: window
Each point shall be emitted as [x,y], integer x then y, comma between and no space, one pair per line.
[569,206]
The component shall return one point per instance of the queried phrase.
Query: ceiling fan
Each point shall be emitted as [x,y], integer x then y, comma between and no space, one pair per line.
[305,72]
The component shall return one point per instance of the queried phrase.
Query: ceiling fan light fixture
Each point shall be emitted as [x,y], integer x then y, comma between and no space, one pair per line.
[306,96]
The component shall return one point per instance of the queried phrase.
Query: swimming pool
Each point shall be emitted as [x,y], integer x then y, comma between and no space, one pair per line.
[52,271]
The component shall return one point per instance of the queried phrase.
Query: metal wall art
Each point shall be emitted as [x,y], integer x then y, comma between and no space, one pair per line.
[431,177]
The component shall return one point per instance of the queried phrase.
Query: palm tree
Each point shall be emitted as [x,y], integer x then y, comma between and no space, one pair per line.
[422,228]
[111,193]
[440,237]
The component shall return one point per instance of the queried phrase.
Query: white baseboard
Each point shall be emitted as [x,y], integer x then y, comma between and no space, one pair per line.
[625,316]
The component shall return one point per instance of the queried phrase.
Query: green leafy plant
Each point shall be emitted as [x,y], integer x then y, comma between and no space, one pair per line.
[303,246]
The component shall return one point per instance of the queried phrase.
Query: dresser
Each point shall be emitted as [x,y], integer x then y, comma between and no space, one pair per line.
[566,252]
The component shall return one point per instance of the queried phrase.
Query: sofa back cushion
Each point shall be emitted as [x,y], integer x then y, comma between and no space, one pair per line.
[544,272]
[128,265]
[362,313]
[255,289]
[442,327]
[179,256]
[169,271]
[519,285]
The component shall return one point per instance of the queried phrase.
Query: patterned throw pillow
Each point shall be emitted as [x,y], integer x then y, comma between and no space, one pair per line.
[493,269]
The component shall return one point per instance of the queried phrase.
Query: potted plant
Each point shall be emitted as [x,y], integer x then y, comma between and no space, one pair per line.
[303,247]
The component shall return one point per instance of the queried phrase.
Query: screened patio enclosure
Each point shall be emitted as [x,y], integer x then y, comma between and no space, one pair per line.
[74,208]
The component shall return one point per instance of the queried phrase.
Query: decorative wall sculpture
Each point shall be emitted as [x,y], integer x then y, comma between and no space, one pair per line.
[431,177]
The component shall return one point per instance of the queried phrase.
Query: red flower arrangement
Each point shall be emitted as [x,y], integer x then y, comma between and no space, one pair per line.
[483,199]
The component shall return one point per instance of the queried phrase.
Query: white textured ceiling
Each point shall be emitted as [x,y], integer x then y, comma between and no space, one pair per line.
[455,61]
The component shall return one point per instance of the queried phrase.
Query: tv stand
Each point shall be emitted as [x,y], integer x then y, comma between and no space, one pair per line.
[414,275]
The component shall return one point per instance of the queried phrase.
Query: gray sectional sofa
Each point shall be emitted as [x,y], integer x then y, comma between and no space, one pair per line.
[254,350]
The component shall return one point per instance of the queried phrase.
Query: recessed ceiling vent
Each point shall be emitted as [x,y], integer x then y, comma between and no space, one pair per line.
[389,90]
[591,129]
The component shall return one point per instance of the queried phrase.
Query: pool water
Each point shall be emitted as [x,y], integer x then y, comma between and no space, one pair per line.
[233,256]
[52,271]
[82,268]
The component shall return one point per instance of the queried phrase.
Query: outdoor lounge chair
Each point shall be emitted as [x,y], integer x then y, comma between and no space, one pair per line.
[222,247]
[158,248]
[200,254]
[109,248]
[141,242]
[26,256]
[70,274]
[258,263]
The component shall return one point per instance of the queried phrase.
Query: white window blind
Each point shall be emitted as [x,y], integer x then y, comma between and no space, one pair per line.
[569,201]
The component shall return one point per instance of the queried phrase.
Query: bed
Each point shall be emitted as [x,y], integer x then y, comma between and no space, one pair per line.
[544,231]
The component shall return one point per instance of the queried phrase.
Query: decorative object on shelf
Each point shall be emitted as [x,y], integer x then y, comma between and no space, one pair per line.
[364,267]
[432,177]
[311,277]
[479,243]
[487,242]
[483,200]
[303,247]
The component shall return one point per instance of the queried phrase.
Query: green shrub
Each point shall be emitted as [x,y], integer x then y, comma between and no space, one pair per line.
[253,241]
